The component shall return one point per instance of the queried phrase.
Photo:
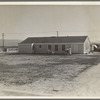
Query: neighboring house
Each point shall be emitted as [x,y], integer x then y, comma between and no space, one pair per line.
[58,45]
[9,49]
[12,49]
[96,47]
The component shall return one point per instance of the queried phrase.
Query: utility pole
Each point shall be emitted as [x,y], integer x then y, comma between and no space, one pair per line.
[3,41]
[57,33]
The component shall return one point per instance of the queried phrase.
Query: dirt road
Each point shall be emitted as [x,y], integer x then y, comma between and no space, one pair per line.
[88,83]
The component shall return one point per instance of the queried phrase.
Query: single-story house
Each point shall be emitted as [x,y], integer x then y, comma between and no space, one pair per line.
[41,45]
[12,49]
[9,49]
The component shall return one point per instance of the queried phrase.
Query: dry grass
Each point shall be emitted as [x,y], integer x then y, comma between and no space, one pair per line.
[26,69]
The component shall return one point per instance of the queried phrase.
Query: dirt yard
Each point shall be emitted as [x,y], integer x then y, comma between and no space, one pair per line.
[44,75]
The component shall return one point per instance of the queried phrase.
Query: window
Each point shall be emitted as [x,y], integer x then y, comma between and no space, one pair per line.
[63,47]
[49,47]
[56,47]
[39,46]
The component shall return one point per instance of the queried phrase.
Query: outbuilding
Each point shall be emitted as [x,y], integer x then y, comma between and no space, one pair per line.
[57,45]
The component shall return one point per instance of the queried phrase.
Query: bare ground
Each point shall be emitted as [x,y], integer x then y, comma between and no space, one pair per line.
[43,75]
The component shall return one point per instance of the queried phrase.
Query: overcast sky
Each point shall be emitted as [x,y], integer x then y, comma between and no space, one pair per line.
[20,22]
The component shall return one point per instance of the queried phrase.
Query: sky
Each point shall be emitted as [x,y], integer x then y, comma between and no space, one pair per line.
[22,21]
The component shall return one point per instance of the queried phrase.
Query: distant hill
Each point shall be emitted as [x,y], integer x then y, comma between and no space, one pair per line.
[8,42]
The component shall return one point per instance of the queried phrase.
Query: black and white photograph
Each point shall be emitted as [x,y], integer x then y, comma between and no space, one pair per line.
[50,50]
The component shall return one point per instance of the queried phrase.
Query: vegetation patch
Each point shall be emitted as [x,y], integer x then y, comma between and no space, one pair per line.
[26,69]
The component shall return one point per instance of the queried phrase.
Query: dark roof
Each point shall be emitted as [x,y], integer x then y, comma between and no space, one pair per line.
[67,39]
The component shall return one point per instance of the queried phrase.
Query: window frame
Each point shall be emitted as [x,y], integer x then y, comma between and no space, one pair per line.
[49,47]
[56,47]
[40,46]
[63,47]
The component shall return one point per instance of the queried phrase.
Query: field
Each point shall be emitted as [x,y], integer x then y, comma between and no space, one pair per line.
[43,74]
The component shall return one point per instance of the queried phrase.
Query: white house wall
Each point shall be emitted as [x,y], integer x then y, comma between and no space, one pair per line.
[43,48]
[75,47]
[87,47]
[25,48]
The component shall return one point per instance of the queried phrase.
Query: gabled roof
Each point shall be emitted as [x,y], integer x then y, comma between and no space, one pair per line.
[67,39]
